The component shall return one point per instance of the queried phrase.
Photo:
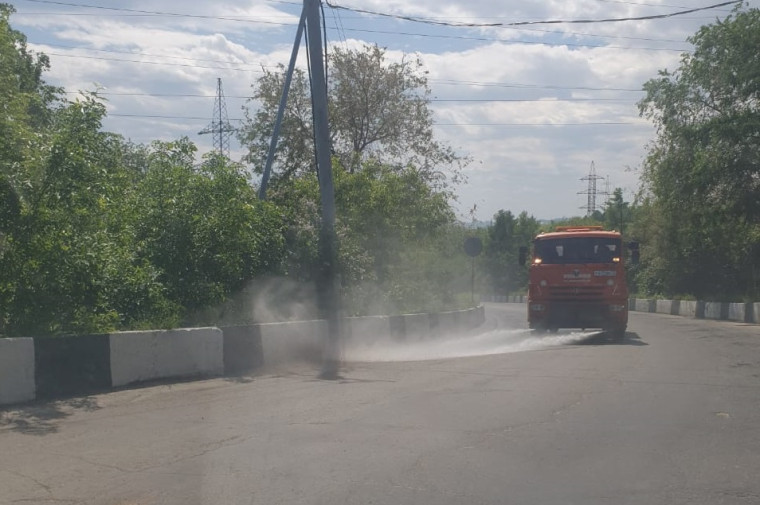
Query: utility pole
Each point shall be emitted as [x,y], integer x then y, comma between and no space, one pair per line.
[327,285]
[220,126]
[281,109]
[591,192]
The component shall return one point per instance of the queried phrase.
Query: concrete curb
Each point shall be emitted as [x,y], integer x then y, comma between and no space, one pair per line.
[698,309]
[41,368]
[274,343]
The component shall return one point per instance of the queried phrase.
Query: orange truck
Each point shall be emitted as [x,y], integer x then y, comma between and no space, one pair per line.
[577,280]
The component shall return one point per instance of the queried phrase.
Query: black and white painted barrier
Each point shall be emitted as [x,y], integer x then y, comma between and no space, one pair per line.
[504,298]
[41,368]
[16,370]
[723,311]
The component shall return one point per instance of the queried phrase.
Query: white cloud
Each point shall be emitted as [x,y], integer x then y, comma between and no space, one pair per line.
[536,168]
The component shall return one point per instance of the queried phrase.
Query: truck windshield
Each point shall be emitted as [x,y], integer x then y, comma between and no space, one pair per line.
[577,250]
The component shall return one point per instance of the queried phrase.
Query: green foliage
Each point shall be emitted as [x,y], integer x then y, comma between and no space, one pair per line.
[378,110]
[392,232]
[505,235]
[393,226]
[67,268]
[701,182]
[618,213]
[203,228]
[596,219]
[99,234]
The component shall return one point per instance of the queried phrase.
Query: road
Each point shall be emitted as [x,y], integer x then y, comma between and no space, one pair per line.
[670,415]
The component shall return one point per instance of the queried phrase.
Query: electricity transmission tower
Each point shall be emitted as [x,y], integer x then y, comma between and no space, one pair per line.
[591,191]
[220,127]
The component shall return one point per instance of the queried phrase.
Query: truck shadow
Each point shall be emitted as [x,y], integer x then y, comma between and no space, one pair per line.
[604,338]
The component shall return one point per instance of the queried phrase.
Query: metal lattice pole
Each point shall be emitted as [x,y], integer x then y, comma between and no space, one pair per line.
[220,127]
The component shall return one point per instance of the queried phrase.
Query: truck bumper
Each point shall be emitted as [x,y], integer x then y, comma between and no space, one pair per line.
[608,316]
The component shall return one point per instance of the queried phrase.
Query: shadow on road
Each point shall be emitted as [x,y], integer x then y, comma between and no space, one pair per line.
[604,338]
[44,418]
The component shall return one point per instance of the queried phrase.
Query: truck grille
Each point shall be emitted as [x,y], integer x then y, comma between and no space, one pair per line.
[576,293]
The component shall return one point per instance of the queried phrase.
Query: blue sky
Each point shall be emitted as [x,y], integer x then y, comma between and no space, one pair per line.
[533,106]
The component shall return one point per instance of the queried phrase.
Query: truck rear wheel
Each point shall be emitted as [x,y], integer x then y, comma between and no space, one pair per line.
[617,333]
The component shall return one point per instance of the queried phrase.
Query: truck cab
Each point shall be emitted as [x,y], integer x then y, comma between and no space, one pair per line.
[577,280]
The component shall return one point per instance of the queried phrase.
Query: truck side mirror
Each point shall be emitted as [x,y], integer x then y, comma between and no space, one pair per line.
[523,256]
[634,247]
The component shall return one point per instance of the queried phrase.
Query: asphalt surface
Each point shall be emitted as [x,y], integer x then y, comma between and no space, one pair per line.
[670,415]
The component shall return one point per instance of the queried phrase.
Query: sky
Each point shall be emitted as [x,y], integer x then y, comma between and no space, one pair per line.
[533,106]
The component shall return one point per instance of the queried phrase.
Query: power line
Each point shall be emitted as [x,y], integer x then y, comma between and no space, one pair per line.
[342,30]
[652,5]
[186,65]
[133,53]
[515,42]
[456,82]
[591,123]
[141,12]
[256,70]
[441,81]
[340,19]
[524,23]
[253,69]
[432,100]
[156,13]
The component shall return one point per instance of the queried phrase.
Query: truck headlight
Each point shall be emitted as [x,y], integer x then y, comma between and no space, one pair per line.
[617,308]
[536,307]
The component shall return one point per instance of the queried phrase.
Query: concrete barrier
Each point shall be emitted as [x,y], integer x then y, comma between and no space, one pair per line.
[478,316]
[16,370]
[687,308]
[716,310]
[138,356]
[242,348]
[641,305]
[368,328]
[737,312]
[448,322]
[70,365]
[397,327]
[293,341]
[663,306]
[416,326]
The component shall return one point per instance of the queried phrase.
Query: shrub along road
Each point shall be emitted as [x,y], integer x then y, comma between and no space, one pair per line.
[670,415]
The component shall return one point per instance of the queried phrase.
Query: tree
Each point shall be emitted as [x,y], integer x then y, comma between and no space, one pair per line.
[377,110]
[25,111]
[506,234]
[617,212]
[203,228]
[701,178]
[69,259]
[392,229]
